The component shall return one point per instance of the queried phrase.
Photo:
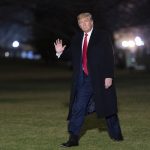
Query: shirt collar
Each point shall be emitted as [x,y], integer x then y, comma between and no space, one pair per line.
[89,33]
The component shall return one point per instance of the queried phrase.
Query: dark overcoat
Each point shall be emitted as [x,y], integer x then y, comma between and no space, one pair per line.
[100,63]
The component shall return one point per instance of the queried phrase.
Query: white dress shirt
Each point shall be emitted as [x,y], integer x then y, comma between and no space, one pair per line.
[88,37]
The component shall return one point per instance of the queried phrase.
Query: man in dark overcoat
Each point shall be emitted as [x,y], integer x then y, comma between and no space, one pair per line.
[93,88]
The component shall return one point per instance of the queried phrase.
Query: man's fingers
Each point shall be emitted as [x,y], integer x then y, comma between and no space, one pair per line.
[107,86]
[58,41]
[64,46]
[108,82]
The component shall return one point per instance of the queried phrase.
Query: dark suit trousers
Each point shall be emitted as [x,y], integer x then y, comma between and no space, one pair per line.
[79,109]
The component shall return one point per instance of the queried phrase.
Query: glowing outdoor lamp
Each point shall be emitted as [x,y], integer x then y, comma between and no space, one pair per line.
[139,41]
[15,44]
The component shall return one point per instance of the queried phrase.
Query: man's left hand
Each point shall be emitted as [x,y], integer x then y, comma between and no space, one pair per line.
[108,82]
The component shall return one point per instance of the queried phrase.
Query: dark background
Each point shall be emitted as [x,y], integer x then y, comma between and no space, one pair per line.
[37,24]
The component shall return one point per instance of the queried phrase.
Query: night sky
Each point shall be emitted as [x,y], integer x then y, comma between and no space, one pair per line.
[39,23]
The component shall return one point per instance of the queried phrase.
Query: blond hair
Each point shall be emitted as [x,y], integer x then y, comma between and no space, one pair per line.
[84,15]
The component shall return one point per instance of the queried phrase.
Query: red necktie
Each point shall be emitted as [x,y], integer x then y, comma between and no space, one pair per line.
[84,55]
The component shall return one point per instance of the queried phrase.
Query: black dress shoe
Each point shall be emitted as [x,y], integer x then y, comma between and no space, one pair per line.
[118,139]
[69,144]
[73,141]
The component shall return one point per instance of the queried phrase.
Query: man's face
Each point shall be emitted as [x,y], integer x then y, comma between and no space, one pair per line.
[86,24]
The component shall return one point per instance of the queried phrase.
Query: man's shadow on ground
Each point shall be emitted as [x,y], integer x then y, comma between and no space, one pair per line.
[93,122]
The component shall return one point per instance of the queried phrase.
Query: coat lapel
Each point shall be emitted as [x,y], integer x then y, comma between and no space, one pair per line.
[80,45]
[91,41]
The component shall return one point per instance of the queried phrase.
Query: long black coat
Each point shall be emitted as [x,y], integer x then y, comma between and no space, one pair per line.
[100,66]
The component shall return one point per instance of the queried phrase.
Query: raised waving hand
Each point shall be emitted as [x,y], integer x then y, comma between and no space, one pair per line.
[59,47]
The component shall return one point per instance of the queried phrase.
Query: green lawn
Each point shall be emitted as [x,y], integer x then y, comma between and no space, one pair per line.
[34,106]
